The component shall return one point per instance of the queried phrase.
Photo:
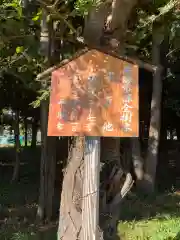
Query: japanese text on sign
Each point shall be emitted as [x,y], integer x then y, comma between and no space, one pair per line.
[127,114]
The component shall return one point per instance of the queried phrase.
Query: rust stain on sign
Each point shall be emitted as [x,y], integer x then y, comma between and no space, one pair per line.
[94,95]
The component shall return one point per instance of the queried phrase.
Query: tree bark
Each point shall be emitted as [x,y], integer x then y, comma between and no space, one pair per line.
[137,159]
[70,219]
[71,200]
[116,24]
[17,147]
[117,21]
[25,132]
[44,160]
[90,195]
[48,145]
[51,176]
[70,211]
[94,24]
[34,133]
[155,122]
[47,168]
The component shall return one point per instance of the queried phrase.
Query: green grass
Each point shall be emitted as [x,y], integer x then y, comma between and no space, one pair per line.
[18,201]
[157,218]
[28,233]
[154,229]
[18,207]
[142,218]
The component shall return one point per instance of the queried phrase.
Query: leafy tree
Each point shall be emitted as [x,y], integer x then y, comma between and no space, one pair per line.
[24,55]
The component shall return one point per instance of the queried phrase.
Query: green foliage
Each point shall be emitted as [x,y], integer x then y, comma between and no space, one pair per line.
[163,13]
[18,42]
[20,32]
[43,95]
[15,5]
[163,8]
[22,236]
[82,7]
[37,16]
[20,59]
[19,49]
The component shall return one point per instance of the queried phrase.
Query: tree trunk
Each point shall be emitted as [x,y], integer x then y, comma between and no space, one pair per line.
[48,167]
[17,147]
[70,210]
[51,176]
[70,219]
[44,160]
[34,133]
[25,132]
[48,145]
[94,24]
[154,129]
[117,24]
[137,159]
[70,207]
[117,21]
[91,183]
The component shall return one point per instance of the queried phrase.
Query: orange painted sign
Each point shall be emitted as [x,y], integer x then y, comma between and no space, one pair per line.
[94,95]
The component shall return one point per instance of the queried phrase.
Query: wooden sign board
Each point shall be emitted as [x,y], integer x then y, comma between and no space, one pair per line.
[94,95]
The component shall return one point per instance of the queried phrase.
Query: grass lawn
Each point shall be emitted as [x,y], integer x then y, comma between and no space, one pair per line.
[18,201]
[142,218]
[28,233]
[18,206]
[157,218]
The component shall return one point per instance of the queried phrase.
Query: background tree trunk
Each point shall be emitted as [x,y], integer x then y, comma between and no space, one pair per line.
[34,133]
[137,159]
[154,129]
[44,159]
[17,147]
[25,132]
[48,144]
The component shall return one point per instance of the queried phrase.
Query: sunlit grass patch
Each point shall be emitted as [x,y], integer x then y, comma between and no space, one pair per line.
[152,229]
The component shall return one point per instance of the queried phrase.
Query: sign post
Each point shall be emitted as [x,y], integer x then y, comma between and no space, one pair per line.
[90,201]
[94,95]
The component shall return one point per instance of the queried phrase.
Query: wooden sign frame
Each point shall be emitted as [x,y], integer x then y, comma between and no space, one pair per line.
[102,90]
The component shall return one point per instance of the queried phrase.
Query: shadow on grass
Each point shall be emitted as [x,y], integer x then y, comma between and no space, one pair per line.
[155,217]
[18,207]
[177,236]
[18,200]
[138,207]
[31,232]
